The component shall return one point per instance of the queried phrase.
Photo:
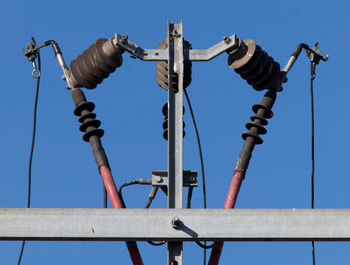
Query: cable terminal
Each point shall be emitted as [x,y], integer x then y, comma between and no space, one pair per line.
[32,53]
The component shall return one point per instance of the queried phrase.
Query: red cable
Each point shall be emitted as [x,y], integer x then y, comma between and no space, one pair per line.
[110,187]
[117,203]
[231,198]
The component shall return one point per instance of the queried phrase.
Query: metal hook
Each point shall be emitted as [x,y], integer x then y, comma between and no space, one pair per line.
[35,72]
[315,54]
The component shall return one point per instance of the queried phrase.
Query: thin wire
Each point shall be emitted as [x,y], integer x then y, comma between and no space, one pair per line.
[151,196]
[31,148]
[312,77]
[133,182]
[104,196]
[157,244]
[202,166]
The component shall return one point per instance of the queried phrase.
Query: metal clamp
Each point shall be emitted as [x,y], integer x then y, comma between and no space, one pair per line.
[160,178]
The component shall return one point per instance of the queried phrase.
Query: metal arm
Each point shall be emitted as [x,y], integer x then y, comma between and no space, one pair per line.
[162,54]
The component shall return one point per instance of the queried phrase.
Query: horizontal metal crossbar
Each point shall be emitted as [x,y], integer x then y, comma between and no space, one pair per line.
[156,224]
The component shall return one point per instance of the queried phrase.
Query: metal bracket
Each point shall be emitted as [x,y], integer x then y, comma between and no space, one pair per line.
[160,178]
[163,54]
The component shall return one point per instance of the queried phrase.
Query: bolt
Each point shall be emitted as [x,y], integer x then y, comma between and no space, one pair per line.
[64,77]
[227,40]
[124,39]
[176,34]
[175,222]
[159,179]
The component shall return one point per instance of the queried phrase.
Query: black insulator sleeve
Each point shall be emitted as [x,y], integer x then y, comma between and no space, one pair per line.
[78,97]
[90,126]
[251,138]
[245,155]
[98,152]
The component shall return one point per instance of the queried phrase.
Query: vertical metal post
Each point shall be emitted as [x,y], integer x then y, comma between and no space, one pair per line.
[175,130]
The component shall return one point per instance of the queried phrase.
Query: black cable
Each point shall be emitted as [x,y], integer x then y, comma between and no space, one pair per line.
[133,182]
[312,77]
[104,196]
[148,204]
[202,166]
[204,246]
[32,146]
[151,196]
[189,197]
[157,244]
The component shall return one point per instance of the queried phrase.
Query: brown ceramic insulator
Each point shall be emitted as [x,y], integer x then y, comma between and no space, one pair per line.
[162,69]
[95,64]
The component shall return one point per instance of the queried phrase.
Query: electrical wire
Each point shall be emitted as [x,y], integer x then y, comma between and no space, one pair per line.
[32,146]
[148,204]
[151,196]
[202,166]
[133,182]
[312,77]
[104,196]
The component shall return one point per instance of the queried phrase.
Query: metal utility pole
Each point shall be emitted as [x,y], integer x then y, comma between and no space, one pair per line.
[175,131]
[174,56]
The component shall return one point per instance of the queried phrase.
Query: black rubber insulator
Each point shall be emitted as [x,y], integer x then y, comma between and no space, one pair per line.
[90,106]
[273,78]
[90,115]
[262,120]
[268,113]
[165,134]
[258,68]
[264,72]
[89,123]
[258,140]
[261,129]
[93,132]
[165,123]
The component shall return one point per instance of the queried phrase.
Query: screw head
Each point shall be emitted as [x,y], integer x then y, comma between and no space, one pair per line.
[159,179]
[226,39]
[175,222]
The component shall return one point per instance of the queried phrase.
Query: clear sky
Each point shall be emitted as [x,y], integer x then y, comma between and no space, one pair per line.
[129,105]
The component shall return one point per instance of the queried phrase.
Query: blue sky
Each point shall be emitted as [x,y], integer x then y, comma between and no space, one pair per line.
[129,105]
